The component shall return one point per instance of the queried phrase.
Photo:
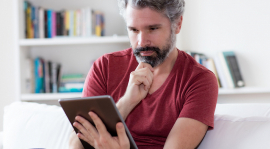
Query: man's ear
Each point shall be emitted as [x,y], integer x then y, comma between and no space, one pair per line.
[179,25]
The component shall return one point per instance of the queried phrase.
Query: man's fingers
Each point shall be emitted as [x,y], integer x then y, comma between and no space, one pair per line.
[143,80]
[87,126]
[121,133]
[81,128]
[99,125]
[144,65]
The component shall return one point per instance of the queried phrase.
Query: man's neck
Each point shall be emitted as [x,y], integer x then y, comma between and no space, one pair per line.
[168,63]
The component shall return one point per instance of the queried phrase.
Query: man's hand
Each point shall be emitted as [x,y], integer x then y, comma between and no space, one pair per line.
[99,137]
[138,87]
[139,83]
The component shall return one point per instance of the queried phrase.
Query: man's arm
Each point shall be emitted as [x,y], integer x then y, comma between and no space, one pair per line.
[186,134]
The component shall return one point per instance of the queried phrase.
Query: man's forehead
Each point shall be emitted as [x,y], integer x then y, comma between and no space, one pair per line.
[144,16]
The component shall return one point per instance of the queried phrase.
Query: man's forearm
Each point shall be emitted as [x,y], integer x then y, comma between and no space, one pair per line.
[124,107]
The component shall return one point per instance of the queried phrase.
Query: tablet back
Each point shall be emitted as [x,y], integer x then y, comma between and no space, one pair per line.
[103,106]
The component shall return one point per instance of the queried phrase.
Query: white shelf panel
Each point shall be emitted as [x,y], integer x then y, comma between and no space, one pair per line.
[48,96]
[244,90]
[73,40]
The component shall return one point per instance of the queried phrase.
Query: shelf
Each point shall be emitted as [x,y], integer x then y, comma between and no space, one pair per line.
[73,40]
[48,96]
[244,90]
[56,96]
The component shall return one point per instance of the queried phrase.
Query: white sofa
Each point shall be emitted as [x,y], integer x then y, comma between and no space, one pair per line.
[32,125]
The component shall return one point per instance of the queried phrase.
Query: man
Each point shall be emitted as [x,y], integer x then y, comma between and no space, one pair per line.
[166,98]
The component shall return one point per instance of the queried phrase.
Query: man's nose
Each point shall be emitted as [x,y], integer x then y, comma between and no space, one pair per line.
[143,40]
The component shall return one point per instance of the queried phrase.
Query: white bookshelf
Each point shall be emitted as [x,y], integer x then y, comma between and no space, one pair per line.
[48,96]
[222,92]
[73,41]
[75,54]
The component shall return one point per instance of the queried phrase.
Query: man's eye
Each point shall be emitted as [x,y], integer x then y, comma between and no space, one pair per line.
[153,28]
[133,30]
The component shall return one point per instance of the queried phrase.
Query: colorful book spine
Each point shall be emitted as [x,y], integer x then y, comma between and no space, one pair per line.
[38,76]
[49,23]
[46,23]
[33,23]
[25,18]
[67,23]
[98,24]
[234,69]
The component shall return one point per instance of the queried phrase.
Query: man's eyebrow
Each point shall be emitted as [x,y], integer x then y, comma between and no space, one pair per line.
[155,25]
[131,28]
[149,26]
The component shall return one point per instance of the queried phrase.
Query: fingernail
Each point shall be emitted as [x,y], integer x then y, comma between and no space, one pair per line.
[91,114]
[120,125]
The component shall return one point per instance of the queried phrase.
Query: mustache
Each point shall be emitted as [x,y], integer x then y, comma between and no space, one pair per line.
[140,49]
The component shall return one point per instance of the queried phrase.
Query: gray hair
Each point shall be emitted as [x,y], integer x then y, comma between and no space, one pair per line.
[173,9]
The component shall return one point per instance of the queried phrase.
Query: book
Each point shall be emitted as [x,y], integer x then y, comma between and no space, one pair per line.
[41,22]
[54,29]
[62,23]
[234,69]
[98,24]
[45,23]
[33,21]
[29,76]
[54,77]
[46,77]
[226,71]
[29,21]
[211,66]
[38,70]
[36,23]
[88,22]
[58,76]
[78,23]
[220,72]
[25,18]
[71,23]
[49,22]
[67,23]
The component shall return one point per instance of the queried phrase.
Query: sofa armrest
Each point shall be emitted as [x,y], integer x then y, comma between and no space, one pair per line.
[33,125]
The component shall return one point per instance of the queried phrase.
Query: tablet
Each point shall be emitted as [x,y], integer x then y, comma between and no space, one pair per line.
[103,106]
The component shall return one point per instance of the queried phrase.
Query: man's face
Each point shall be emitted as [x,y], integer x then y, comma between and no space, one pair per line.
[150,35]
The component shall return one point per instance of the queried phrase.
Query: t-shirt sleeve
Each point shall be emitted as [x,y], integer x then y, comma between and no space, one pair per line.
[95,82]
[201,98]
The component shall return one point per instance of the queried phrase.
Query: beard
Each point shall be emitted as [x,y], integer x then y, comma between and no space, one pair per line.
[160,54]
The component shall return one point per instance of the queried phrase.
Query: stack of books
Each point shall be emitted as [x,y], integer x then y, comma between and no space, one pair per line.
[224,66]
[43,76]
[47,23]
[72,83]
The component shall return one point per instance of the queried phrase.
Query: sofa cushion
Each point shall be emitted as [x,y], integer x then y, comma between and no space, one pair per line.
[32,125]
[238,133]
[244,109]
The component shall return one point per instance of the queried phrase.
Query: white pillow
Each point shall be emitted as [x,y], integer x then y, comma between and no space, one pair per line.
[31,125]
[232,132]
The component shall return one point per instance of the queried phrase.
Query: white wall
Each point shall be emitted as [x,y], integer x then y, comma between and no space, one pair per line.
[7,68]
[210,26]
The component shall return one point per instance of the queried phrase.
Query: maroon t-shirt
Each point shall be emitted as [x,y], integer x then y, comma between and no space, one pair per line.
[190,91]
